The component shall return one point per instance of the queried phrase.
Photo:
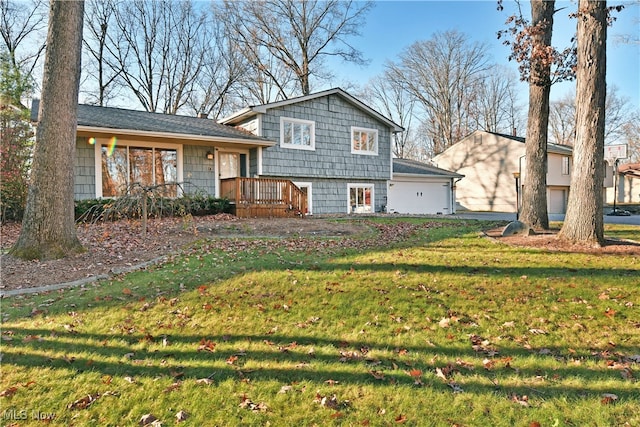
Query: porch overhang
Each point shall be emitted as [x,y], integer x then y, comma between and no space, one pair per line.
[181,138]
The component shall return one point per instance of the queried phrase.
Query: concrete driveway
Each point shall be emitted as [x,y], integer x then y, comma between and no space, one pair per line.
[510,216]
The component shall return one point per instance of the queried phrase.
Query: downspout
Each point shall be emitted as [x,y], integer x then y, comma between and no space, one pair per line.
[453,194]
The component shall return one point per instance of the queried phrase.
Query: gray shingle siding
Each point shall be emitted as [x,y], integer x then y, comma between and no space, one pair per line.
[84,169]
[330,196]
[332,156]
[198,172]
[253,162]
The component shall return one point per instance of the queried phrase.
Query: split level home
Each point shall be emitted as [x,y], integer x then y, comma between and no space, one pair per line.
[324,153]
[494,168]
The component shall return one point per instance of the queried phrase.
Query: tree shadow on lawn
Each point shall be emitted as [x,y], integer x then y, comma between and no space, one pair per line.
[171,363]
[60,301]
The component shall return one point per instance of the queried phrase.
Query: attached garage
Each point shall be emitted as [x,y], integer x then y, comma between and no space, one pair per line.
[420,189]
[557,202]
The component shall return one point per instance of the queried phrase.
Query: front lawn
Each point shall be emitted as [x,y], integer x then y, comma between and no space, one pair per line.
[426,323]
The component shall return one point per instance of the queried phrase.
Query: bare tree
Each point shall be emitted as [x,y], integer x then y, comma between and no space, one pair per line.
[48,228]
[216,90]
[618,113]
[437,73]
[391,99]
[494,101]
[185,56]
[297,34]
[584,221]
[562,118]
[632,137]
[158,51]
[101,70]
[21,27]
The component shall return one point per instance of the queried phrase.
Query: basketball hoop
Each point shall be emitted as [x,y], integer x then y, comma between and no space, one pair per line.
[613,153]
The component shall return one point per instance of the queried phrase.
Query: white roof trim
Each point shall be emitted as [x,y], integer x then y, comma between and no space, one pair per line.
[335,91]
[452,175]
[182,136]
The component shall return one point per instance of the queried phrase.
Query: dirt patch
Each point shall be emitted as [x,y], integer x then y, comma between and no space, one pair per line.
[549,241]
[117,246]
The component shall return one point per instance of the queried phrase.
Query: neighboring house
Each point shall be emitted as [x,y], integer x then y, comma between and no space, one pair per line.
[334,147]
[419,188]
[330,145]
[490,163]
[628,183]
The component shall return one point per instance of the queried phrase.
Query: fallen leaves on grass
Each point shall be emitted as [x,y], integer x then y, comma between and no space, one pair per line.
[400,419]
[522,400]
[173,387]
[247,403]
[331,402]
[349,356]
[9,391]
[206,345]
[88,400]
[149,420]
[181,416]
[416,374]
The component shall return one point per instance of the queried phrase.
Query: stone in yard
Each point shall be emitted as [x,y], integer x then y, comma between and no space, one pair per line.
[516,228]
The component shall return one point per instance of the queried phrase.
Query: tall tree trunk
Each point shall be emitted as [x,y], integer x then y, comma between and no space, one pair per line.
[584,221]
[48,228]
[534,193]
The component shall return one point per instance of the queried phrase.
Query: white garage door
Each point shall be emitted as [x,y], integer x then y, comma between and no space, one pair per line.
[557,199]
[411,197]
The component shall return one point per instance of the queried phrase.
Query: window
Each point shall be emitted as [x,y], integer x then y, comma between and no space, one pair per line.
[124,167]
[360,198]
[364,141]
[296,133]
[565,165]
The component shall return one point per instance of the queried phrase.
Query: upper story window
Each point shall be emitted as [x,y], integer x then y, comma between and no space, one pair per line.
[565,165]
[364,141]
[297,133]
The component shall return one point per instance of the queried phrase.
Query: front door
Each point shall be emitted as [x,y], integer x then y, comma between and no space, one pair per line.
[229,166]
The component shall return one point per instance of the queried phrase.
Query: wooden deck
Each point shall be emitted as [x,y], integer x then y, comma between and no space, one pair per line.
[264,197]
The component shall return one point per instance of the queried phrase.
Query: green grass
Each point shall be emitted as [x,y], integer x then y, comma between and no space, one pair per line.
[441,327]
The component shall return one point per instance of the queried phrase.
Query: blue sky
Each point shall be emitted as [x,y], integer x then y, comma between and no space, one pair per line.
[394,25]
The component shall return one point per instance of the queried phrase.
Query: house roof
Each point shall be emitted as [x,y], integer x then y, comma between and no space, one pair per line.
[251,110]
[553,148]
[144,123]
[630,169]
[413,167]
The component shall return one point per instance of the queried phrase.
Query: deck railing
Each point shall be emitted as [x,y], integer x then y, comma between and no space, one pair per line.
[264,197]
